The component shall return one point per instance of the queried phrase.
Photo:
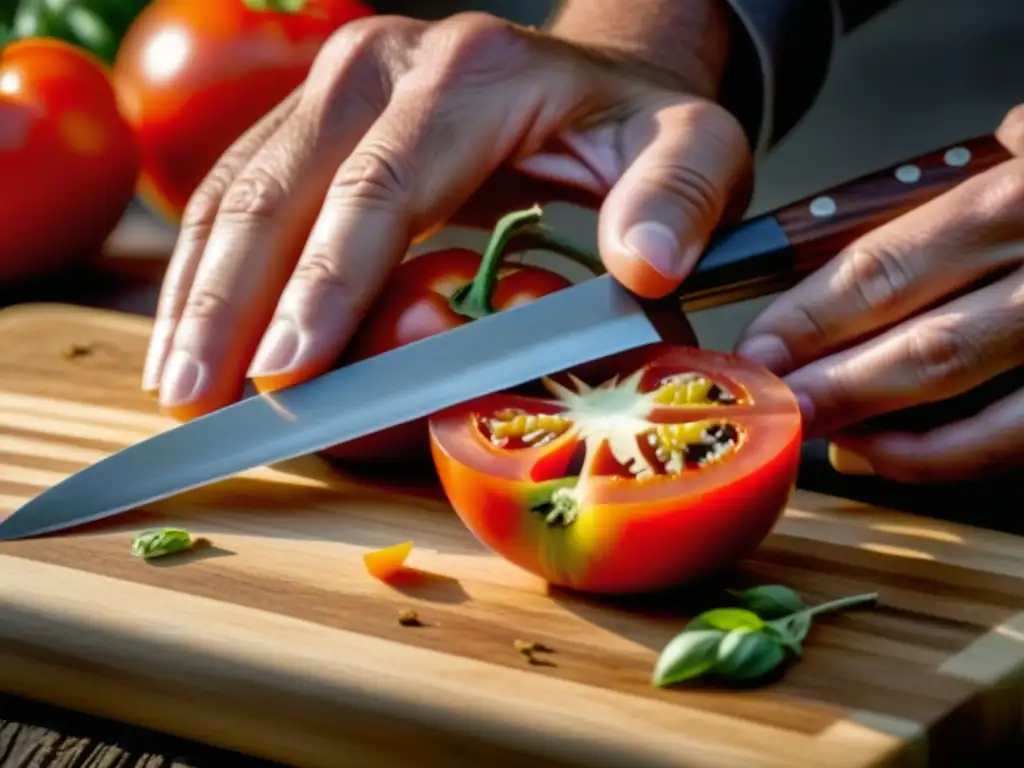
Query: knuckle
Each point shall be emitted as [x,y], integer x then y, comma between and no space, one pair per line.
[372,177]
[472,44]
[876,277]
[255,194]
[201,208]
[352,40]
[941,354]
[1011,130]
[207,306]
[319,279]
[698,196]
[1003,200]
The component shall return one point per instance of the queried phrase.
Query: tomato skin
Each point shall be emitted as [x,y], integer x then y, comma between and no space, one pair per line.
[69,159]
[195,76]
[414,306]
[635,537]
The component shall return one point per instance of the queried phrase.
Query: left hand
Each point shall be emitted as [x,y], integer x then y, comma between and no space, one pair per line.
[925,308]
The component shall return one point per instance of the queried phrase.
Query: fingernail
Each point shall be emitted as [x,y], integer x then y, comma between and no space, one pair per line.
[159,341]
[767,351]
[279,350]
[658,246]
[847,462]
[183,380]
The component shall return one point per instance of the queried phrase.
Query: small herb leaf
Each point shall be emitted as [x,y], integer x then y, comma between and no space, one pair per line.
[161,542]
[796,625]
[689,654]
[748,655]
[726,620]
[770,601]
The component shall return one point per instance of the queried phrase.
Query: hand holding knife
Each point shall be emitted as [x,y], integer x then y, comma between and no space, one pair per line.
[593,319]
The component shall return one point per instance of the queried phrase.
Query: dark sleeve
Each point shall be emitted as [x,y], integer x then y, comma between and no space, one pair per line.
[781,58]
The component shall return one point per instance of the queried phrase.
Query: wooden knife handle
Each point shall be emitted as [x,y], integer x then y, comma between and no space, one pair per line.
[820,226]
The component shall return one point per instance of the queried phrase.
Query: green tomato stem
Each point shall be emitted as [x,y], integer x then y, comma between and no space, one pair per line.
[843,602]
[277,6]
[474,300]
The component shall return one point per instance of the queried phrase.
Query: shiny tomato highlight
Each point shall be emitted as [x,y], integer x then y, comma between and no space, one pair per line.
[672,470]
[195,76]
[68,159]
[413,306]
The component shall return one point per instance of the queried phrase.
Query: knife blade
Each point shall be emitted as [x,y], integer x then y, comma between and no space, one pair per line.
[589,320]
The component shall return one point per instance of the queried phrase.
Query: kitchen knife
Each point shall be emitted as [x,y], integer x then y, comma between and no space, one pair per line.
[590,320]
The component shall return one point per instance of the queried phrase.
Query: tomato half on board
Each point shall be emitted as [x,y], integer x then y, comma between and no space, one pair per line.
[417,303]
[195,76]
[673,469]
[68,159]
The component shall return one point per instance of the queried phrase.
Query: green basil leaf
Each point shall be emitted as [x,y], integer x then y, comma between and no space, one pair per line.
[726,620]
[161,542]
[770,601]
[687,655]
[745,655]
[796,625]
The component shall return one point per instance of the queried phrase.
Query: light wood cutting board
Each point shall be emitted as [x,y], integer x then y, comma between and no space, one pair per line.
[277,643]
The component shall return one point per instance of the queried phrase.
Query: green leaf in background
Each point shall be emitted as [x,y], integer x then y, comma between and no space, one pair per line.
[689,654]
[770,601]
[161,542]
[745,655]
[94,25]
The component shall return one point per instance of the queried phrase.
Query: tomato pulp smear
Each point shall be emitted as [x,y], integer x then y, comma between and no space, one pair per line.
[674,467]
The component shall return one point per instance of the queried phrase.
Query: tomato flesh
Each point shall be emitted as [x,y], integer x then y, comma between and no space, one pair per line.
[675,469]
[414,306]
[68,159]
[386,563]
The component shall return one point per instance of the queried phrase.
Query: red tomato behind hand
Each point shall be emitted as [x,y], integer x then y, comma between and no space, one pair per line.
[672,471]
[414,305]
[195,76]
[68,159]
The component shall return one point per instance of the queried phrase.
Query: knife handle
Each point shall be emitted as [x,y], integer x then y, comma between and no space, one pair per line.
[820,226]
[816,228]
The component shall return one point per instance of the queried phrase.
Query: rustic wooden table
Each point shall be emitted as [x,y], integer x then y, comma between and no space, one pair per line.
[32,734]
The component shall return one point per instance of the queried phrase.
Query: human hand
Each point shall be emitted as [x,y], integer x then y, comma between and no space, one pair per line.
[292,236]
[925,308]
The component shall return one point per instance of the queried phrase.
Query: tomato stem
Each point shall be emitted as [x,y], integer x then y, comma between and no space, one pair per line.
[277,6]
[474,299]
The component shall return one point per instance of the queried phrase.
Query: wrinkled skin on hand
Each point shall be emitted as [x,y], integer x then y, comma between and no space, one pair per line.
[925,308]
[397,128]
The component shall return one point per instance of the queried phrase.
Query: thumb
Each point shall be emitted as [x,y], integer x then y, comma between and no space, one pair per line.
[686,162]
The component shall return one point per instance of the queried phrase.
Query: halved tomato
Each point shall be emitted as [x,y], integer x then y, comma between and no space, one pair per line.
[669,471]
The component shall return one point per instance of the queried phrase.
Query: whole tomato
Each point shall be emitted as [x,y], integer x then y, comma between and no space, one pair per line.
[425,296]
[194,76]
[68,158]
[415,305]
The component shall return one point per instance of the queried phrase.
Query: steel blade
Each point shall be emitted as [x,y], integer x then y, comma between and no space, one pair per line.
[591,319]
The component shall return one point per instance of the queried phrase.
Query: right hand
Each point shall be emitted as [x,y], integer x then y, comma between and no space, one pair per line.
[292,236]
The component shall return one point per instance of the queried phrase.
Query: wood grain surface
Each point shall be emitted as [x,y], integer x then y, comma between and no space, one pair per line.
[275,642]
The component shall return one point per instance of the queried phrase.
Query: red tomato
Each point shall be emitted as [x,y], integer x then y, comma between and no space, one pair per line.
[196,75]
[68,159]
[671,471]
[414,306]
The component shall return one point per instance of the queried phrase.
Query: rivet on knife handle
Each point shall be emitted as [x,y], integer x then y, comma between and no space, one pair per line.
[804,235]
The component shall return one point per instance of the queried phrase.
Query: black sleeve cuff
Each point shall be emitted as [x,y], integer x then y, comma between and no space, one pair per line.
[781,56]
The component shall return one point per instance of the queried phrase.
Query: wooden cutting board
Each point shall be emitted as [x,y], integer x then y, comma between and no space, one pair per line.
[275,641]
